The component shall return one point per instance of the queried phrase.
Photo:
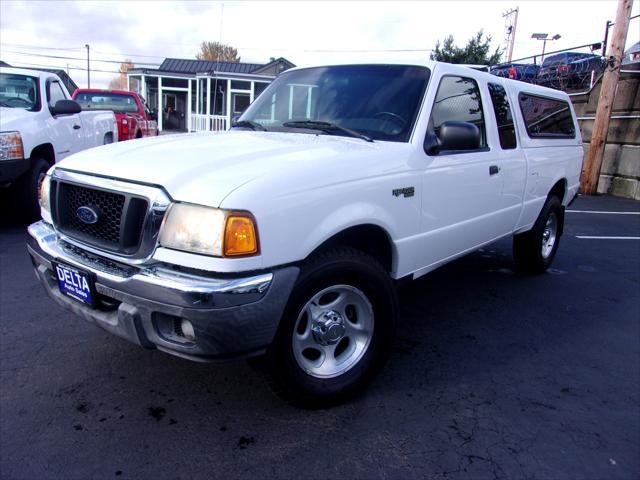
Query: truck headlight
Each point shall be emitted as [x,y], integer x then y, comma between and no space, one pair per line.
[209,231]
[11,146]
[44,195]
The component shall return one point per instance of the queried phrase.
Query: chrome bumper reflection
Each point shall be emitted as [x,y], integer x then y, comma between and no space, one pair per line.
[156,283]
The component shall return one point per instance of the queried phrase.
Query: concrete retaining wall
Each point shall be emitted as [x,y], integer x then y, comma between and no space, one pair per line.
[620,173]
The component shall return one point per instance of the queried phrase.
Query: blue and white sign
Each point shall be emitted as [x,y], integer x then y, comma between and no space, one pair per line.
[74,283]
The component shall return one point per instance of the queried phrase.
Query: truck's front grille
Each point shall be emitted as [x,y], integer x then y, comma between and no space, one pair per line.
[120,216]
[108,205]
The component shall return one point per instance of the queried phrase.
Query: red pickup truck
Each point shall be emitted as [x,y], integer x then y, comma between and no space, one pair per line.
[135,119]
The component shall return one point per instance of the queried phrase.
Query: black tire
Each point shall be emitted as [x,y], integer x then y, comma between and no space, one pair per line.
[528,248]
[26,189]
[108,138]
[340,266]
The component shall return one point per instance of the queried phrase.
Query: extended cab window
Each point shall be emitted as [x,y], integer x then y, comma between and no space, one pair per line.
[546,117]
[504,118]
[55,93]
[458,99]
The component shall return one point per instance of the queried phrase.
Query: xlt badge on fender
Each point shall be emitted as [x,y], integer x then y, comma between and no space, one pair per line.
[406,191]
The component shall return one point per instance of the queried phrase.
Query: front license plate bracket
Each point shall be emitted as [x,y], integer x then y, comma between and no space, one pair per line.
[75,283]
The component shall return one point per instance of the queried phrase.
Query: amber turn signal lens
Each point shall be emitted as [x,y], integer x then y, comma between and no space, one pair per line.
[240,237]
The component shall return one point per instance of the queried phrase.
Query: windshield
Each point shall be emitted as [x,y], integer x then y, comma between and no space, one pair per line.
[379,101]
[19,91]
[115,102]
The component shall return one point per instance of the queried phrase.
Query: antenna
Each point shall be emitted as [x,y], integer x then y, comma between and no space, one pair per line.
[221,20]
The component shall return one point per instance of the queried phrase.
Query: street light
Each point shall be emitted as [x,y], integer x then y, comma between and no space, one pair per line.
[544,37]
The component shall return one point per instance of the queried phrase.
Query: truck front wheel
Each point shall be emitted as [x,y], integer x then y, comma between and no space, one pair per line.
[337,329]
[27,189]
[534,251]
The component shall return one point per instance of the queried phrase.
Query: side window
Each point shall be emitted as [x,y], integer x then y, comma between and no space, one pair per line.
[458,99]
[546,117]
[55,93]
[504,118]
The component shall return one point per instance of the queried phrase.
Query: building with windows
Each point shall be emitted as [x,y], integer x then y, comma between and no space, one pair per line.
[202,95]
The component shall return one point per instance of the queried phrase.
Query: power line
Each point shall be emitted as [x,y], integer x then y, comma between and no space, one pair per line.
[58,67]
[288,49]
[73,58]
[131,54]
[36,47]
[18,45]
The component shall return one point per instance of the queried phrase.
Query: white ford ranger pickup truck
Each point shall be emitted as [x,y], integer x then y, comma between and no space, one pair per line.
[39,126]
[286,235]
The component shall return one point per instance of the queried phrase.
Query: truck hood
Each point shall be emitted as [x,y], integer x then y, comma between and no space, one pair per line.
[205,168]
[10,118]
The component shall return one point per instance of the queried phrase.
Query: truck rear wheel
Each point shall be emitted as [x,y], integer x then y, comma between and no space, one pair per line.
[337,329]
[27,189]
[534,251]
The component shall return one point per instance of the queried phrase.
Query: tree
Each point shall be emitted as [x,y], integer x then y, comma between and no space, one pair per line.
[475,52]
[217,51]
[120,82]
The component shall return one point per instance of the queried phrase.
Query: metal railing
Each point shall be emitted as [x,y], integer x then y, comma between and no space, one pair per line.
[201,122]
[570,73]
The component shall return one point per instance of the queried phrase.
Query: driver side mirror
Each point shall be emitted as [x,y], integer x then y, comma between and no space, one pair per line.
[453,136]
[153,115]
[235,119]
[65,107]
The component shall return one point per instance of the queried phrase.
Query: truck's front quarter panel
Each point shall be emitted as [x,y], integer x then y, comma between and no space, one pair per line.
[298,212]
[32,128]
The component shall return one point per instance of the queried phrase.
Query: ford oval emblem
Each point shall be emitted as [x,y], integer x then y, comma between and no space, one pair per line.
[87,215]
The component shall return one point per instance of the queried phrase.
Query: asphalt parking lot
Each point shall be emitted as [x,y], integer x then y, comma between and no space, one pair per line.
[493,375]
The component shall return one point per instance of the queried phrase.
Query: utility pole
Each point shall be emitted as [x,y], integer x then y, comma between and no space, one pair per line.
[607,97]
[88,68]
[512,23]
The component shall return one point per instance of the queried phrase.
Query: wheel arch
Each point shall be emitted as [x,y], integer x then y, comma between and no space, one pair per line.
[44,151]
[369,238]
[559,189]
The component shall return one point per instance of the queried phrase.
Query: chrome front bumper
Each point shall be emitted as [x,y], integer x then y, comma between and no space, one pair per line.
[231,315]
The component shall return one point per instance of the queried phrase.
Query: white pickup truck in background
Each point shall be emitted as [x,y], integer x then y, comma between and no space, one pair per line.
[39,126]
[287,234]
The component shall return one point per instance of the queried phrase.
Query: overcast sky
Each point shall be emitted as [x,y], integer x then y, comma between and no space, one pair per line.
[303,32]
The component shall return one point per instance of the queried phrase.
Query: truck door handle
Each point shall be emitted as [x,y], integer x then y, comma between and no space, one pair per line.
[494,169]
[76,127]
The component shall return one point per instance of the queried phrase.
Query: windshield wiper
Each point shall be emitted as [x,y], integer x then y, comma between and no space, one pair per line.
[249,124]
[2,104]
[325,127]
